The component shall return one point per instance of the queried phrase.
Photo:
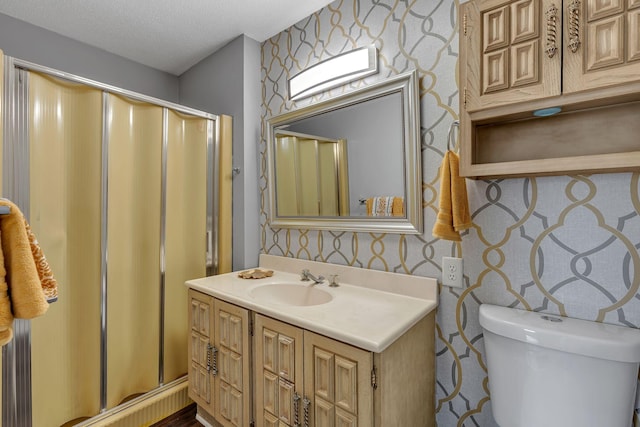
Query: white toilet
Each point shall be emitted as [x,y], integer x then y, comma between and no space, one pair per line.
[550,371]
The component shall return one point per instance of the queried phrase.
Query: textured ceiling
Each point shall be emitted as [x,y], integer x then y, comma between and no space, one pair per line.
[169,35]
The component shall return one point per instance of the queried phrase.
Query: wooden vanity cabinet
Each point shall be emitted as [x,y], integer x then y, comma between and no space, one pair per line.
[520,56]
[220,357]
[306,379]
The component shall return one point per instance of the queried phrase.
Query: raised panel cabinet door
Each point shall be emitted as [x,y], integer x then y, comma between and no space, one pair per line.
[200,344]
[269,420]
[337,382]
[200,309]
[509,51]
[231,384]
[601,44]
[278,369]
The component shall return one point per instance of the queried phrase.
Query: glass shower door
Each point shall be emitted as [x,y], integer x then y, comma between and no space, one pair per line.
[120,201]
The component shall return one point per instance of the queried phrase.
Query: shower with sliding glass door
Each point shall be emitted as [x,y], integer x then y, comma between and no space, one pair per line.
[123,193]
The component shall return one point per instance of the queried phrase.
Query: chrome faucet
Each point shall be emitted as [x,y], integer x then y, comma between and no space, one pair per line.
[306,276]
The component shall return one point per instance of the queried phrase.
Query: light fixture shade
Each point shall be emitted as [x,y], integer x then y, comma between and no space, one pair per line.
[334,71]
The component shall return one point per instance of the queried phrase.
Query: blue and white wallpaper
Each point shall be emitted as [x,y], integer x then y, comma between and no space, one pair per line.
[565,245]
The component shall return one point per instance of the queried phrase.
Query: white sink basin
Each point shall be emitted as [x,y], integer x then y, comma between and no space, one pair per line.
[290,294]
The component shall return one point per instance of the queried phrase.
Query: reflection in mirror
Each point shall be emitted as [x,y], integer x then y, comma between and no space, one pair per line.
[311,175]
[349,163]
[373,149]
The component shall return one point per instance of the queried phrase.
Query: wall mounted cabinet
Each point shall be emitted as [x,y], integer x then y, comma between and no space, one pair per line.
[521,56]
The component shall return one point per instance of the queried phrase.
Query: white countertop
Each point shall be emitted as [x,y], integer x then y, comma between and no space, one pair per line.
[371,319]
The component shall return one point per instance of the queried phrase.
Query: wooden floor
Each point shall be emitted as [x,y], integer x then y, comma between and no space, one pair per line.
[184,418]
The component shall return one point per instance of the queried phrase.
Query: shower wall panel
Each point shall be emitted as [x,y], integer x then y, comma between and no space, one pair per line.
[187,138]
[133,245]
[65,130]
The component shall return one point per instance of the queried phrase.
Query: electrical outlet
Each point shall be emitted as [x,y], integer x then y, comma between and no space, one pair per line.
[452,272]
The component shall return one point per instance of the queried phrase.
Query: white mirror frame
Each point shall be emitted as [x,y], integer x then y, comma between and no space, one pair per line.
[407,85]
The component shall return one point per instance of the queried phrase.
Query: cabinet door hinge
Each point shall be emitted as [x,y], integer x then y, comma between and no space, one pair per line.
[251,327]
[252,424]
[374,378]
[464,97]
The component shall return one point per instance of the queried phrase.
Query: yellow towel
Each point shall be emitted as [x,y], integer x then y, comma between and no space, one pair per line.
[6,316]
[23,276]
[453,206]
[47,281]
[398,206]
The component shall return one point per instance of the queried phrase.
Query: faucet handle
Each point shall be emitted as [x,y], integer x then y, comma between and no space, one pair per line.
[333,280]
[304,275]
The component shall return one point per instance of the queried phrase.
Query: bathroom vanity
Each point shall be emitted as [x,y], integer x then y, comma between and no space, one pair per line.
[279,351]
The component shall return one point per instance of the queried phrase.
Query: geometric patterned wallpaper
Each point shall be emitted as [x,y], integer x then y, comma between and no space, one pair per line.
[565,245]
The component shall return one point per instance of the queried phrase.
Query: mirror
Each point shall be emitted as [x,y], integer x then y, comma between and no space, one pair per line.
[350,163]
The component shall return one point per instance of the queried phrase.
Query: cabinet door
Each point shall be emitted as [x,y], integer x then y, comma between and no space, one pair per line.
[507,51]
[231,381]
[200,325]
[601,44]
[278,373]
[337,383]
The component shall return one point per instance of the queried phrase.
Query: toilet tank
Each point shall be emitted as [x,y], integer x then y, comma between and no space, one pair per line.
[553,371]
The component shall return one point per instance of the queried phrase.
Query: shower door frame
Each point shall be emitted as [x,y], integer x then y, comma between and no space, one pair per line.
[16,355]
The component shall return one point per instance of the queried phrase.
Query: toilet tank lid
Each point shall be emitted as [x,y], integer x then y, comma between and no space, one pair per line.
[583,337]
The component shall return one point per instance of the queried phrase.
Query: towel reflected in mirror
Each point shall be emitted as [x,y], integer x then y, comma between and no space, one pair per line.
[385,206]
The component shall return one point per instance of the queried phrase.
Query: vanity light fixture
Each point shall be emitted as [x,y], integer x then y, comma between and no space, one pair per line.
[334,71]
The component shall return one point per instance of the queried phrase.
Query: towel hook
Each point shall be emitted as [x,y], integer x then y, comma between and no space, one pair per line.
[452,138]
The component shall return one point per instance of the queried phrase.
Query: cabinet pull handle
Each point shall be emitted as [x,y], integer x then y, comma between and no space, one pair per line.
[574,25]
[552,19]
[305,405]
[214,366]
[296,409]
[209,348]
